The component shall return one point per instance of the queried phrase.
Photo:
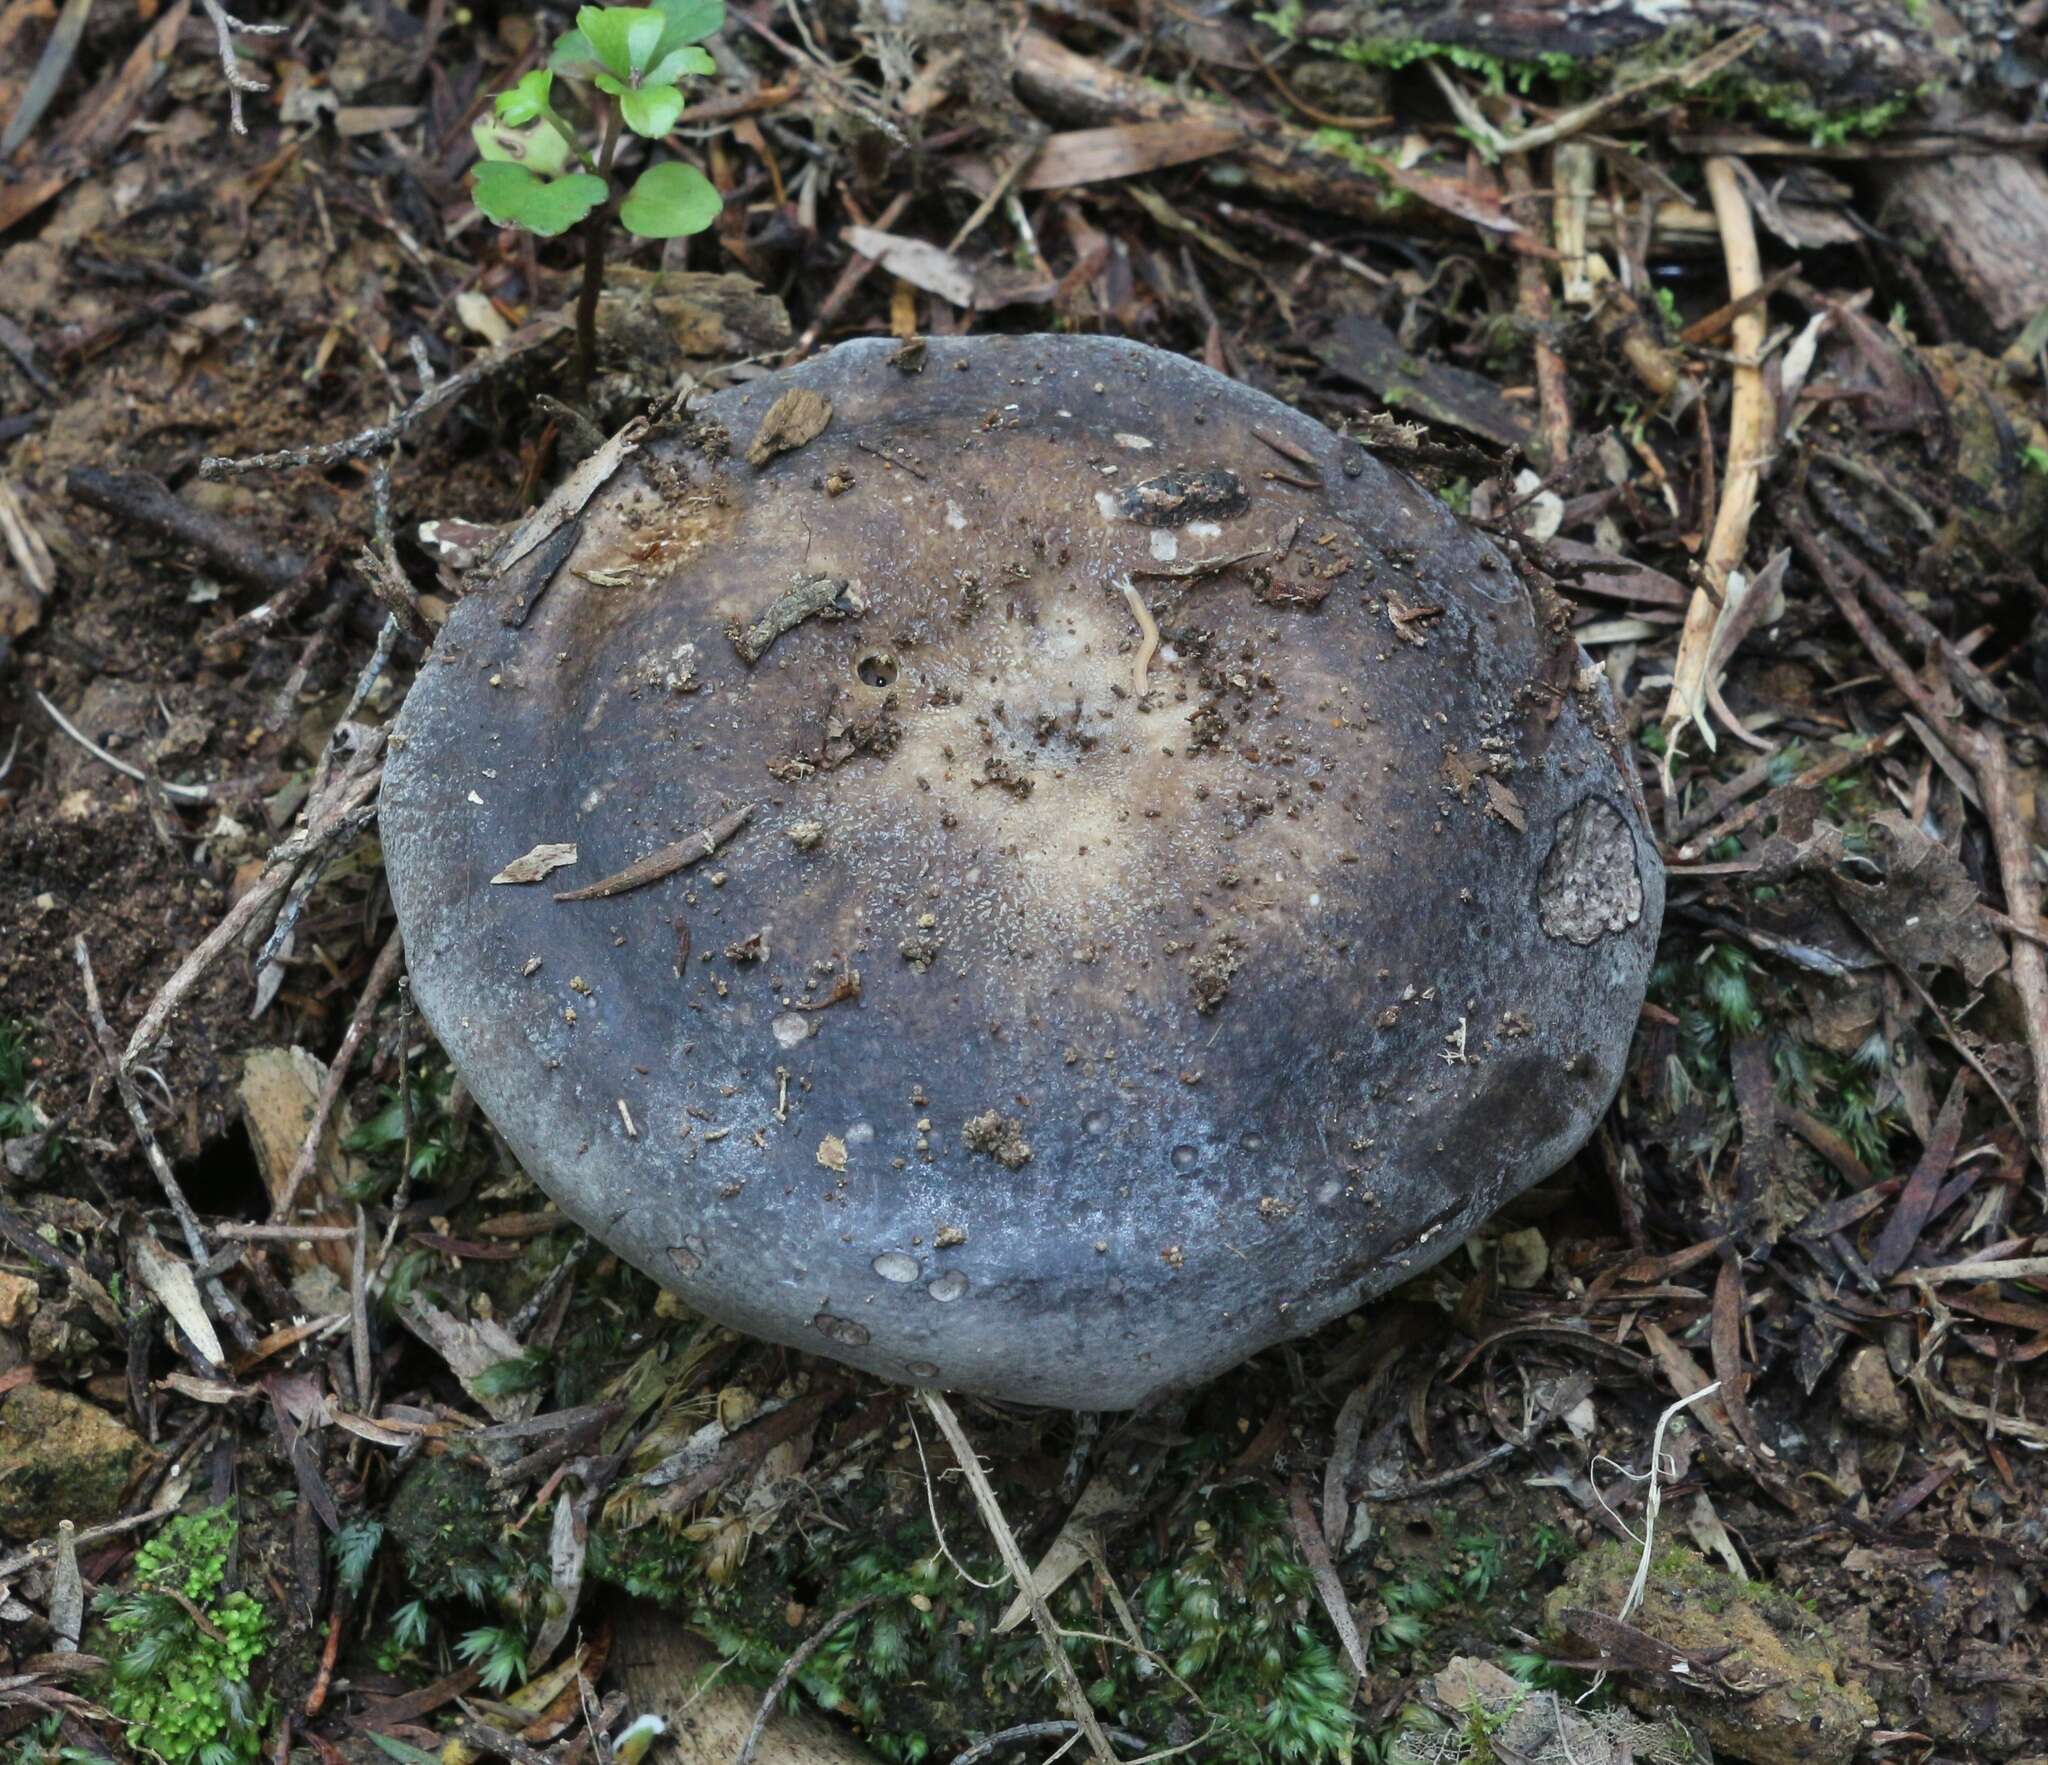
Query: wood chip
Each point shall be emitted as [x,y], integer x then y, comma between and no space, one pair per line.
[536,864]
[797,417]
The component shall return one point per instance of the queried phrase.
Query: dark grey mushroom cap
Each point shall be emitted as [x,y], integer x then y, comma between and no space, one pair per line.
[1033,1036]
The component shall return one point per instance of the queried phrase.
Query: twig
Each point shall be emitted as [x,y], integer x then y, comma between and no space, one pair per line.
[167,1179]
[188,793]
[931,1502]
[1013,1558]
[381,973]
[812,62]
[1687,73]
[45,1548]
[380,659]
[336,813]
[226,28]
[269,1231]
[1265,223]
[369,441]
[791,1667]
[671,858]
[1839,760]
[1005,182]
[1749,427]
[1532,295]
[147,502]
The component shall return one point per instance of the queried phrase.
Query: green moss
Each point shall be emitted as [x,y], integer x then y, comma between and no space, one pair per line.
[179,1681]
[1793,107]
[1229,1638]
[1499,73]
[449,1530]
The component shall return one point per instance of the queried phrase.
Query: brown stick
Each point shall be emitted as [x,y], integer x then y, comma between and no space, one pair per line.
[1532,295]
[326,821]
[147,502]
[382,973]
[666,862]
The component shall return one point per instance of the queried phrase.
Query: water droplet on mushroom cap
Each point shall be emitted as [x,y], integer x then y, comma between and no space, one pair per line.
[1290,830]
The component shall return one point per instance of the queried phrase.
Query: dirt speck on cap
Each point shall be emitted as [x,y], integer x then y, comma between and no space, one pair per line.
[1000,1137]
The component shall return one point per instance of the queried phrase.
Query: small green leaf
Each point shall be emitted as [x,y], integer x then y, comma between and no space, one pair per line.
[527,100]
[624,37]
[651,111]
[399,1750]
[669,200]
[676,63]
[690,21]
[539,146]
[573,55]
[513,197]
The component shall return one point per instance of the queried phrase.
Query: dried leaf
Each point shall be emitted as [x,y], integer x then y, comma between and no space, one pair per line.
[937,271]
[67,1593]
[1126,150]
[567,1543]
[471,1348]
[178,1292]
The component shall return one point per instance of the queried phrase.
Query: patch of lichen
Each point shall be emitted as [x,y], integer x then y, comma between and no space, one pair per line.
[1802,1705]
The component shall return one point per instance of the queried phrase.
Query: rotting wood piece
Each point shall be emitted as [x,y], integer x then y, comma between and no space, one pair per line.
[1986,218]
[1844,53]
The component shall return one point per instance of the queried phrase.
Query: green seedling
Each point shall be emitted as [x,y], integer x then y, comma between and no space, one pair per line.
[624,66]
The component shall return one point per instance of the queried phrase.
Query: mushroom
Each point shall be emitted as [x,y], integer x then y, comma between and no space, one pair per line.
[1021,864]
